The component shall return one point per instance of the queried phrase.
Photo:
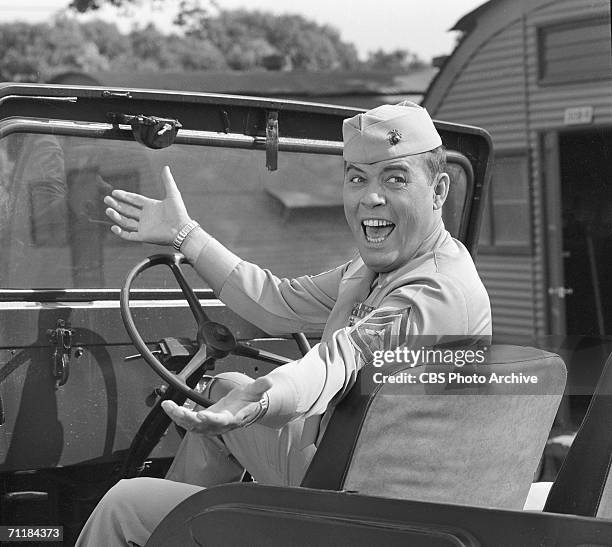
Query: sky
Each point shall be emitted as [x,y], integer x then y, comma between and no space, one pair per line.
[421,26]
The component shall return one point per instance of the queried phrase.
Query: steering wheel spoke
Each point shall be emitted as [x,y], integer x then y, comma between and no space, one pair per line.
[194,364]
[193,301]
[261,355]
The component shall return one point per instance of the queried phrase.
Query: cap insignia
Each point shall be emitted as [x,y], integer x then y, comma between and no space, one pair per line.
[394,136]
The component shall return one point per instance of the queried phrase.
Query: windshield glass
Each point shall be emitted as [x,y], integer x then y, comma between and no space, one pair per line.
[55,235]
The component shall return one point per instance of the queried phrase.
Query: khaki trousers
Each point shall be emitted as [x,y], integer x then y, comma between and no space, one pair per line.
[131,510]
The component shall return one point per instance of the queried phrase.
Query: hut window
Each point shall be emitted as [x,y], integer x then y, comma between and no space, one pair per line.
[507,223]
[574,51]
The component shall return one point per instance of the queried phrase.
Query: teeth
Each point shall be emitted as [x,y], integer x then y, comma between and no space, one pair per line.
[376,222]
[376,230]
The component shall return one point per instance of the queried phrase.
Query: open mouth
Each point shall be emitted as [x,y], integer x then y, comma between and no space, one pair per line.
[376,230]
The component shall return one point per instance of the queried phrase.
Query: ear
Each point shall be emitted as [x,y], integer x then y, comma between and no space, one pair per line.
[440,187]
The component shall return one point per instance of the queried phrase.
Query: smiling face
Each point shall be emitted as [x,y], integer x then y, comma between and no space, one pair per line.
[391,207]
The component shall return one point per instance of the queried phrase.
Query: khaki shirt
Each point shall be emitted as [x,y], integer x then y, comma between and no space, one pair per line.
[440,286]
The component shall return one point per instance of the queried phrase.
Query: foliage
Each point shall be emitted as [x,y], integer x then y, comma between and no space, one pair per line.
[246,38]
[399,59]
[34,52]
[206,38]
[91,5]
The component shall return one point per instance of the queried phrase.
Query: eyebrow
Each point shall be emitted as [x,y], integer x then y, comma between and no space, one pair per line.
[352,166]
[392,167]
[395,167]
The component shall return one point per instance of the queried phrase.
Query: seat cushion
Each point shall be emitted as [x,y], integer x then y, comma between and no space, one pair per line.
[456,442]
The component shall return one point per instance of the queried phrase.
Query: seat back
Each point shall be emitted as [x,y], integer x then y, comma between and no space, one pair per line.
[452,441]
[459,198]
[583,485]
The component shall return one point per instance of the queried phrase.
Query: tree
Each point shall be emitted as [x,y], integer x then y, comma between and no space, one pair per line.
[246,37]
[110,41]
[150,48]
[399,60]
[32,53]
[22,48]
[186,8]
[206,38]
[91,5]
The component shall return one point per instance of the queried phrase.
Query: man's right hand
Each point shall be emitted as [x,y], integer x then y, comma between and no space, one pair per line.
[236,409]
[139,218]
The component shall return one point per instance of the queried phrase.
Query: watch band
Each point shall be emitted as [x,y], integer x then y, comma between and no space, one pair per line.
[183,233]
[264,403]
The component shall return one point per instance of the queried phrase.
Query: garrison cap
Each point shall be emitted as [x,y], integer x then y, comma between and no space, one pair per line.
[389,131]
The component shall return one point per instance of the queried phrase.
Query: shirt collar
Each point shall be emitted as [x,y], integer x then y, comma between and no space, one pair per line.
[433,241]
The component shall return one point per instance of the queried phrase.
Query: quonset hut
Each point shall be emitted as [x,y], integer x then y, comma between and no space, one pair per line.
[537,74]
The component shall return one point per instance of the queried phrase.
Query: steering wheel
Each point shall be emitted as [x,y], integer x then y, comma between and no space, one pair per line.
[214,340]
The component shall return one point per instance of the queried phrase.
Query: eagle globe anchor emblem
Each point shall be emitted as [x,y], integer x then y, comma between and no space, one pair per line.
[394,136]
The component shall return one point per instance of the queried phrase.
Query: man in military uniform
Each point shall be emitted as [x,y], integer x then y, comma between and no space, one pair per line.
[409,274]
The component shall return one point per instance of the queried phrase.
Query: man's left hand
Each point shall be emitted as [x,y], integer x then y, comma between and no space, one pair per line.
[235,410]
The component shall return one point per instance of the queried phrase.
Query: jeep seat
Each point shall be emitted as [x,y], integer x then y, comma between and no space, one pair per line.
[469,444]
[476,445]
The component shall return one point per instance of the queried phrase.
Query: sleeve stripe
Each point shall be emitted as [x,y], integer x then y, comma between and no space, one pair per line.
[380,330]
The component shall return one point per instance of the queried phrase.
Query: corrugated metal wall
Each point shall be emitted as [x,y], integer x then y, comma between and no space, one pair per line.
[547,105]
[509,280]
[495,103]
[490,92]
[497,88]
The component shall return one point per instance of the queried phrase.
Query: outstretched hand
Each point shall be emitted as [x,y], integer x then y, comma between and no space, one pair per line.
[139,218]
[234,410]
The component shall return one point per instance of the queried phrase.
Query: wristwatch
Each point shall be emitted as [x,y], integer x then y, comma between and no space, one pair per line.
[264,402]
[183,233]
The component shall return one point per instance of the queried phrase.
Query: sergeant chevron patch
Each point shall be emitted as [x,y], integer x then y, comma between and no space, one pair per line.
[381,330]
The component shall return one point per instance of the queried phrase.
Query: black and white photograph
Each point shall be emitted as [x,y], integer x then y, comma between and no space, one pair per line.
[317,273]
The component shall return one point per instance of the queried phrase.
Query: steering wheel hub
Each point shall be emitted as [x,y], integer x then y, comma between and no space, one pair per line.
[217,338]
